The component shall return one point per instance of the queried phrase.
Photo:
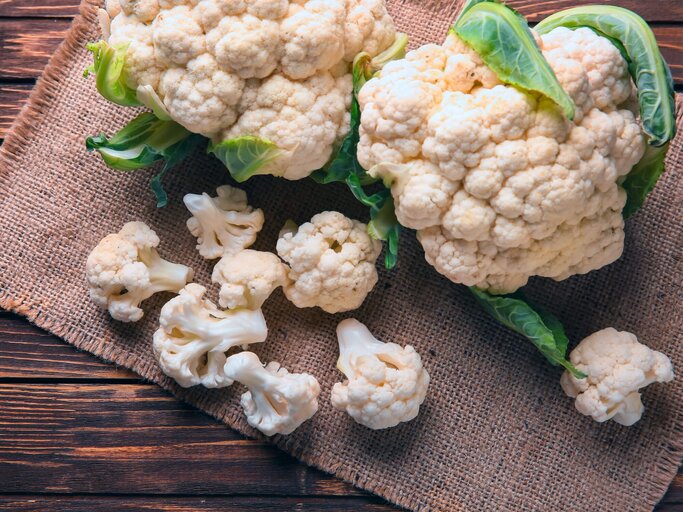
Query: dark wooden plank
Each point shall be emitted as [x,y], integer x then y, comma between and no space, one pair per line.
[28,352]
[674,496]
[27,44]
[195,504]
[136,439]
[535,10]
[12,98]
[39,8]
[651,10]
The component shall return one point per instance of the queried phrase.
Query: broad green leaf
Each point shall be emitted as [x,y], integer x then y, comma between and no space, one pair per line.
[643,178]
[503,40]
[110,74]
[635,40]
[541,328]
[246,156]
[141,143]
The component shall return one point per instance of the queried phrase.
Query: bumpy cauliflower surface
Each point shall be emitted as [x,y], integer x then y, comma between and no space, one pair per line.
[248,278]
[277,401]
[617,366]
[194,337]
[125,268]
[386,383]
[332,263]
[224,224]
[499,185]
[273,69]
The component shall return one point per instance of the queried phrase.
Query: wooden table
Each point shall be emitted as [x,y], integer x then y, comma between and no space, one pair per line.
[79,434]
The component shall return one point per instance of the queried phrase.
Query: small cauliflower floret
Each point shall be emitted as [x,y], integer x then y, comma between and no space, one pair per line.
[248,278]
[194,337]
[278,70]
[617,367]
[224,224]
[499,184]
[386,383]
[125,268]
[332,263]
[277,401]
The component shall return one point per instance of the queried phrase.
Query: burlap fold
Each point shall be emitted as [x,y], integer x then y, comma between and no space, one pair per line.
[495,433]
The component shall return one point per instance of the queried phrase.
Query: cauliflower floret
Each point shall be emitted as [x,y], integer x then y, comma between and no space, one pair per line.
[499,185]
[277,401]
[279,70]
[248,278]
[386,383]
[368,28]
[141,64]
[224,224]
[303,118]
[194,337]
[332,263]
[617,367]
[125,268]
[201,97]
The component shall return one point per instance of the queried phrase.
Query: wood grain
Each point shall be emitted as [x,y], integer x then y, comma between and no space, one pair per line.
[110,438]
[190,504]
[27,352]
[27,44]
[39,8]
[12,98]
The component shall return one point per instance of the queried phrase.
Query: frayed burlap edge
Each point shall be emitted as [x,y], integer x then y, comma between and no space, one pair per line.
[14,145]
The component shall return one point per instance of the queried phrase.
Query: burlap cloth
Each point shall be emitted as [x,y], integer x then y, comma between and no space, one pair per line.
[495,433]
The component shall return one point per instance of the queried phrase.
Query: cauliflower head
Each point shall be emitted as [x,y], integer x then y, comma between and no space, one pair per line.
[386,383]
[224,224]
[498,183]
[194,337]
[278,70]
[125,268]
[617,367]
[331,262]
[277,401]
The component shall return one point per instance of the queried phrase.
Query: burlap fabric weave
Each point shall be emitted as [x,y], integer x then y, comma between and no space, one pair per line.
[495,433]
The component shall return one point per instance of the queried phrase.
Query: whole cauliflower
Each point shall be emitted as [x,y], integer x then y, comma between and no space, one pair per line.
[331,262]
[225,224]
[617,366]
[248,278]
[386,383]
[125,268]
[498,183]
[277,401]
[278,70]
[194,337]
